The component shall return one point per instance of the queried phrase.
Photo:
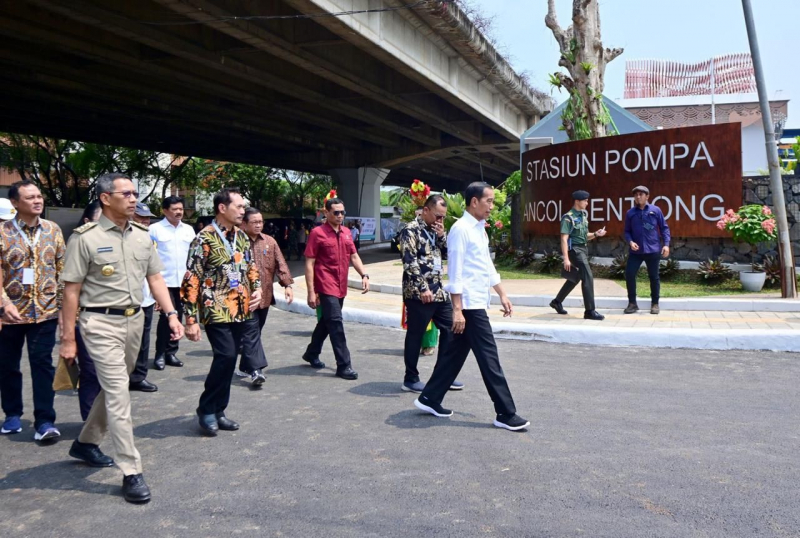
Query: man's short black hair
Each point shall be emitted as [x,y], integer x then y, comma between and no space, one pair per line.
[13,192]
[249,212]
[330,203]
[475,190]
[170,201]
[224,197]
[433,200]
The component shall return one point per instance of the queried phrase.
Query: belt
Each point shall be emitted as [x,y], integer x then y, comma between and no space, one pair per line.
[127,312]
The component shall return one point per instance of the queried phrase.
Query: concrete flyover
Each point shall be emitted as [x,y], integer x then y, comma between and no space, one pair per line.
[410,89]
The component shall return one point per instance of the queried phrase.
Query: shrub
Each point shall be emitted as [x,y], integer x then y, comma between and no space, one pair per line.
[772,267]
[551,262]
[714,271]
[503,251]
[525,257]
[617,269]
[751,224]
[669,268]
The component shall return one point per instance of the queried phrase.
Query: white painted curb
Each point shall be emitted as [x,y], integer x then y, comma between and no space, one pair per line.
[688,303]
[721,339]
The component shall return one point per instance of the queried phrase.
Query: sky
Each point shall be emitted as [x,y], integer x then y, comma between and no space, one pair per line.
[679,30]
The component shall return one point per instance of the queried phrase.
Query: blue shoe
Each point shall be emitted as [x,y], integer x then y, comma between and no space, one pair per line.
[457,385]
[408,386]
[11,425]
[47,433]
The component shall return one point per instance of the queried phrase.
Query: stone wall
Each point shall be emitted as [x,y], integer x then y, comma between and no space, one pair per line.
[756,190]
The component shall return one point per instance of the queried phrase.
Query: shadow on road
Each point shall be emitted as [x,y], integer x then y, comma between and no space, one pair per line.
[378,389]
[298,369]
[67,475]
[200,353]
[414,419]
[201,377]
[305,334]
[395,352]
[182,426]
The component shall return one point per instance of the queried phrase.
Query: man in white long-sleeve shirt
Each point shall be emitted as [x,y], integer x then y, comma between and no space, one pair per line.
[471,275]
[172,238]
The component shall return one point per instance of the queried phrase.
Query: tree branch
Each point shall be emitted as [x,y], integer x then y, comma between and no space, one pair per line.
[610,54]
[551,20]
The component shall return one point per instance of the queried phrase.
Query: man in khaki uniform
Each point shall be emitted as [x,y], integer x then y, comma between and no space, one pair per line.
[106,263]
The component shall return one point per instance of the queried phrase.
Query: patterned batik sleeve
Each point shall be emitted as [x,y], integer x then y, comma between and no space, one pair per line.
[190,288]
[409,247]
[61,250]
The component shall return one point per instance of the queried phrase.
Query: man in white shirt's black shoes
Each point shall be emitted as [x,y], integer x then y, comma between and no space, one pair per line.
[172,238]
[471,274]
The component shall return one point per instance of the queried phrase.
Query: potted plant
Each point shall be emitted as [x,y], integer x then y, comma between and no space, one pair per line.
[751,224]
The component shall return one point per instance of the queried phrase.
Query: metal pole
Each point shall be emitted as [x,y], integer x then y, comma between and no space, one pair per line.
[788,279]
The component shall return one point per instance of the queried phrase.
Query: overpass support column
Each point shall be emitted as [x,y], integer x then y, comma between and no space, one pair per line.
[360,190]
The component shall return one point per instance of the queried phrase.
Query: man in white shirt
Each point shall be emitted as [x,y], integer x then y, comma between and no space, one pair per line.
[172,238]
[138,377]
[471,274]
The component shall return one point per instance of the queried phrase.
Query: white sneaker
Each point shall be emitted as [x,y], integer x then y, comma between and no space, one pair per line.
[257,378]
[239,373]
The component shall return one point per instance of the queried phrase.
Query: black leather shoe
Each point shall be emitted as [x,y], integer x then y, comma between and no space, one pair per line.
[134,489]
[226,424]
[208,424]
[556,305]
[89,453]
[158,364]
[593,315]
[172,360]
[315,362]
[143,386]
[347,373]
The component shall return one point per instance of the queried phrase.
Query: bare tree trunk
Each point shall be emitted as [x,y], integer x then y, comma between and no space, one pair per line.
[584,57]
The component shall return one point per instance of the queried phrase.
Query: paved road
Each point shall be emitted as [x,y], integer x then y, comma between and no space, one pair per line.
[624,443]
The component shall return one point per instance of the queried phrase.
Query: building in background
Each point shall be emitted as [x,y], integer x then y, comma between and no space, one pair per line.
[667,95]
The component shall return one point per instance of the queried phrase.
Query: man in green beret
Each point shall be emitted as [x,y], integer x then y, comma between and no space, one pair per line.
[575,236]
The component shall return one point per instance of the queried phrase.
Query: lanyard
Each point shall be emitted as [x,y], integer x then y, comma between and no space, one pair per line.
[431,238]
[25,236]
[225,241]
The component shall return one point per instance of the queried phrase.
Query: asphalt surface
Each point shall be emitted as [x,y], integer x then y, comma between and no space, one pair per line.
[623,442]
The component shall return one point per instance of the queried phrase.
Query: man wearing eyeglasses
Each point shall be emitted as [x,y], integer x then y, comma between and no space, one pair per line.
[645,231]
[422,243]
[105,265]
[329,251]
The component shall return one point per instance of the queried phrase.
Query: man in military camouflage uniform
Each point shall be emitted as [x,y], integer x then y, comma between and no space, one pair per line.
[422,243]
[106,263]
[575,235]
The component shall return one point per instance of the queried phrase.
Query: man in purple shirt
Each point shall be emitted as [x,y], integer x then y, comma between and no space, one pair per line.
[647,234]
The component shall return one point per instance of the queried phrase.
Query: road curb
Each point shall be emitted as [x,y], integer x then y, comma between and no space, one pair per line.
[688,303]
[720,339]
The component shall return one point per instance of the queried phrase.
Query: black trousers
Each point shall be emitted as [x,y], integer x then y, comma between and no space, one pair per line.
[88,384]
[164,344]
[41,338]
[330,325]
[579,257]
[635,260]
[252,350]
[478,338]
[419,315]
[139,373]
[225,339]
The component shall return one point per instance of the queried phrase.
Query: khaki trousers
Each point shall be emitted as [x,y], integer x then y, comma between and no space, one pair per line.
[113,344]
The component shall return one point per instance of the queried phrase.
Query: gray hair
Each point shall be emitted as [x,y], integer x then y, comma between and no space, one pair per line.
[105,183]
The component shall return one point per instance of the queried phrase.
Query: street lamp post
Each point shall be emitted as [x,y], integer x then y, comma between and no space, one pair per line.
[788,278]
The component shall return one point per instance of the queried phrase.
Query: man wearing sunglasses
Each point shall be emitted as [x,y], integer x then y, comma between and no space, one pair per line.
[423,243]
[329,251]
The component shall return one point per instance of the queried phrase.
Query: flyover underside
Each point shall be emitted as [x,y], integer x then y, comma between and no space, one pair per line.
[286,93]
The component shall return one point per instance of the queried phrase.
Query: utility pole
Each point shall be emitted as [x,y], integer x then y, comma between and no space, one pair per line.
[788,278]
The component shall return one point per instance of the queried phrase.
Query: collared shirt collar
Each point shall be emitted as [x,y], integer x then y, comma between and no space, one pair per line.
[107,223]
[472,221]
[24,226]
[260,236]
[329,225]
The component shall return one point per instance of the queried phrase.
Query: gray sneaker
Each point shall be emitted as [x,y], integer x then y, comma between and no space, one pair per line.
[408,386]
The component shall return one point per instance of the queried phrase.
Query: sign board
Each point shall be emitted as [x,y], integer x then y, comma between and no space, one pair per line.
[367,226]
[694,174]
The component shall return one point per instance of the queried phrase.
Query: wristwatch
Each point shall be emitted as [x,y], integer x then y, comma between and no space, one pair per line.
[2,311]
[172,312]
[365,275]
